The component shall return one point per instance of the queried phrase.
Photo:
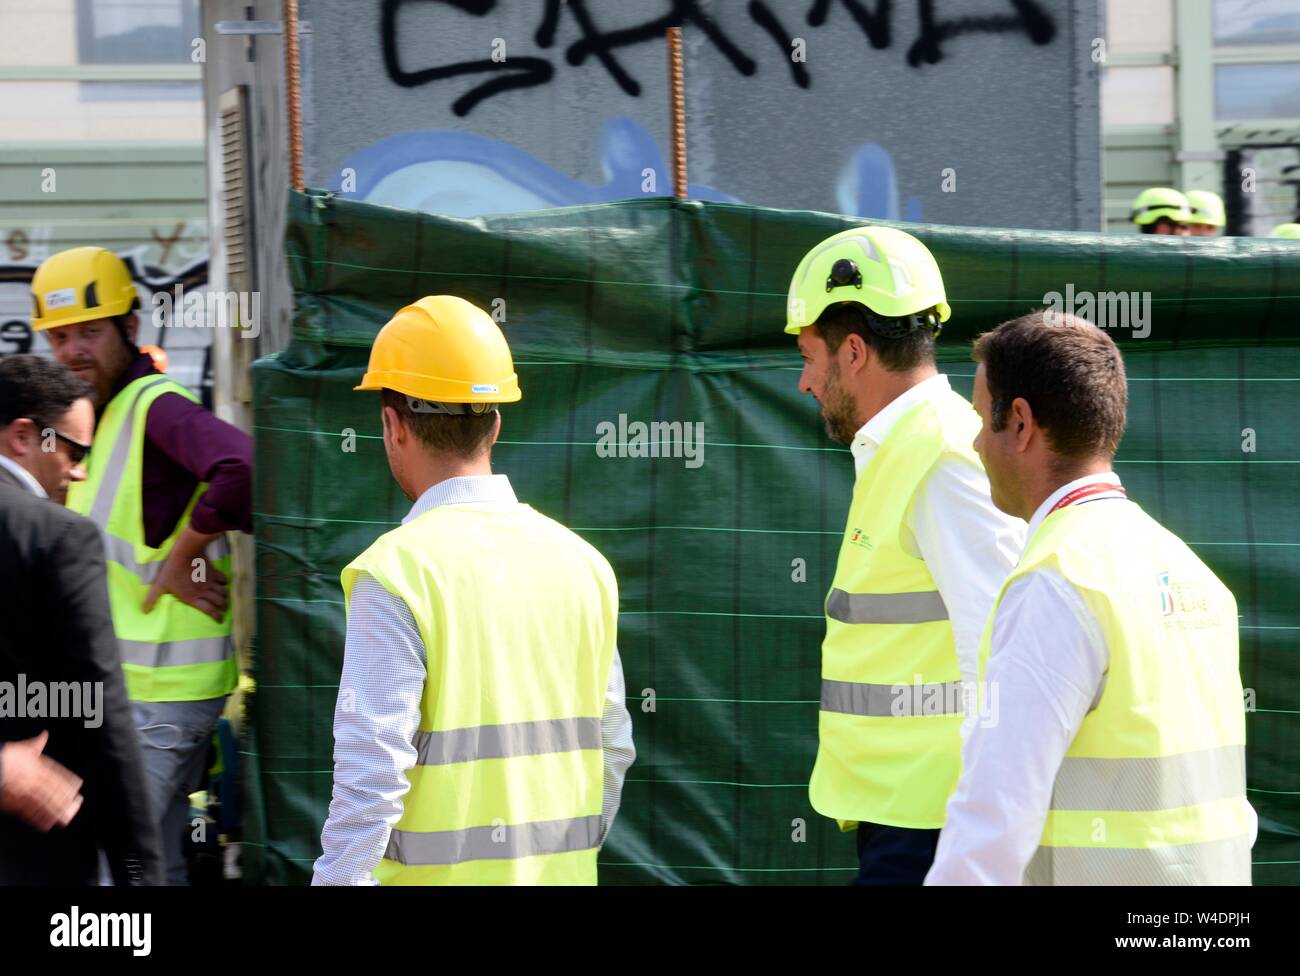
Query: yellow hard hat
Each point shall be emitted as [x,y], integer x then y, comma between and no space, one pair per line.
[1206,207]
[444,350]
[1160,201]
[80,285]
[886,270]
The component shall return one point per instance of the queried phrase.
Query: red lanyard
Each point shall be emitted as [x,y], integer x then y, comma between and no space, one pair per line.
[1086,491]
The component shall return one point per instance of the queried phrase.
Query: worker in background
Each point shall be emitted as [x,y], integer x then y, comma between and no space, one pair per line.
[1207,214]
[480,670]
[166,481]
[1162,210]
[1286,231]
[71,779]
[923,554]
[1119,756]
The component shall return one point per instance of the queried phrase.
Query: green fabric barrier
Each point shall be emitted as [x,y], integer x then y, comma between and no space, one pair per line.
[663,310]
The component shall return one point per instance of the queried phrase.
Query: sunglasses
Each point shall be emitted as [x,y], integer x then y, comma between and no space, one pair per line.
[77,451]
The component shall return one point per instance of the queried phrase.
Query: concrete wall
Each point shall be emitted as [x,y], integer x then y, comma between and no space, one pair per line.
[1001,95]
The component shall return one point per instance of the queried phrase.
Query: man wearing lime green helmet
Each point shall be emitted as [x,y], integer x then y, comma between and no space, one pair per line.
[1207,214]
[923,554]
[1286,231]
[482,732]
[1162,210]
[165,482]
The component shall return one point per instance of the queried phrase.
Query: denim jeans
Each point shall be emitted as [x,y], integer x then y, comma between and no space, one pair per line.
[174,738]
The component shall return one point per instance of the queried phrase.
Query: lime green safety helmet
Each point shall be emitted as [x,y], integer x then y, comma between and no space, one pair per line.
[1160,201]
[887,271]
[1286,230]
[1206,208]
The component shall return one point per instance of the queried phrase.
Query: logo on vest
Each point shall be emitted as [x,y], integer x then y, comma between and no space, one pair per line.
[1184,605]
[861,541]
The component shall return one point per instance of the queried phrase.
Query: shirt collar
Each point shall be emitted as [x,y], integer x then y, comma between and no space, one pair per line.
[465,490]
[22,474]
[1109,477]
[873,433]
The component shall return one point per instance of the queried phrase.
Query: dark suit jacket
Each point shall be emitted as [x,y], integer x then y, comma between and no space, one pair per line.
[55,626]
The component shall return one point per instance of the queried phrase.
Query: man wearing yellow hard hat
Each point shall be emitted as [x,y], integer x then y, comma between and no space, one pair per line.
[1162,210]
[165,482]
[1207,214]
[923,554]
[482,734]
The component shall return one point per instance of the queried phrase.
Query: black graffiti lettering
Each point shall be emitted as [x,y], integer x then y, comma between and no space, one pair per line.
[874,20]
[681,13]
[765,18]
[877,25]
[18,336]
[1028,17]
[523,72]
[546,37]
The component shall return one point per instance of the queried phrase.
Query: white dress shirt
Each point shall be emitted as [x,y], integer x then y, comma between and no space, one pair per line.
[1047,660]
[22,474]
[384,671]
[968,545]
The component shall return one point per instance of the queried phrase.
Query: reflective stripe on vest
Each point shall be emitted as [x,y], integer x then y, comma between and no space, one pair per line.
[500,741]
[899,701]
[1226,860]
[885,608]
[491,843]
[1150,783]
[106,492]
[167,654]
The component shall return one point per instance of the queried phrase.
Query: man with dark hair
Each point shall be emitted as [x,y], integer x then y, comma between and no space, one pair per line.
[480,670]
[165,484]
[1118,757]
[56,643]
[46,424]
[924,548]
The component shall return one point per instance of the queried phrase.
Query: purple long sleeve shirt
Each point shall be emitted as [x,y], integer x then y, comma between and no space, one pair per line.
[185,444]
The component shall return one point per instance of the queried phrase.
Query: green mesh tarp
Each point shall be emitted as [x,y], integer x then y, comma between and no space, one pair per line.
[652,310]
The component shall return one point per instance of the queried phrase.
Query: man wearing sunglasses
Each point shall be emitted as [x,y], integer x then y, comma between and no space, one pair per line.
[71,779]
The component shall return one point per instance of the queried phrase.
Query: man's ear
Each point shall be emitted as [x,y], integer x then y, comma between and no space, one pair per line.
[855,353]
[496,429]
[21,438]
[1021,423]
[132,325]
[394,429]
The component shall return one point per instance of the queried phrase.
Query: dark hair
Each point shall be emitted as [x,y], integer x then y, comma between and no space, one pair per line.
[1069,372]
[837,322]
[38,389]
[465,436]
[1152,228]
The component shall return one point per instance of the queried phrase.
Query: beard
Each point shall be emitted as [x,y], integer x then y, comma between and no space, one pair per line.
[839,411]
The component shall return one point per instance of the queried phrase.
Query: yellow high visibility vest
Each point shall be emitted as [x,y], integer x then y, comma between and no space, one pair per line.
[519,622]
[175,652]
[889,729]
[1153,788]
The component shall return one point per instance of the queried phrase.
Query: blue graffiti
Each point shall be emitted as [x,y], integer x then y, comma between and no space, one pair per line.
[464,174]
